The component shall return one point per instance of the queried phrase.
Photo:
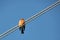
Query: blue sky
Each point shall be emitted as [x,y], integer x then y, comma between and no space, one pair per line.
[45,27]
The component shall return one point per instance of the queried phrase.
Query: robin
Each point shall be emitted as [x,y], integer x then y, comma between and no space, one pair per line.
[21,25]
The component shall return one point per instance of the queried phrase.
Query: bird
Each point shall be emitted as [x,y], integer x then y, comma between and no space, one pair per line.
[21,25]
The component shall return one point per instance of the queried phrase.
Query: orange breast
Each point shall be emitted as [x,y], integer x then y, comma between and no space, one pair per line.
[21,22]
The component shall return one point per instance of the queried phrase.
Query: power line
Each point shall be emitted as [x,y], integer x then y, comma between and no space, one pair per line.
[43,11]
[9,31]
[30,19]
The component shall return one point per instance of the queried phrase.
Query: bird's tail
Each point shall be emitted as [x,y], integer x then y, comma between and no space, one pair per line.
[21,29]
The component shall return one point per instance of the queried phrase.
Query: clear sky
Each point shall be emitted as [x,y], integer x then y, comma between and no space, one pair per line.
[45,27]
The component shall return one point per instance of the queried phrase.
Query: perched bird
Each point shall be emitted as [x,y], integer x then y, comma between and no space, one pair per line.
[21,25]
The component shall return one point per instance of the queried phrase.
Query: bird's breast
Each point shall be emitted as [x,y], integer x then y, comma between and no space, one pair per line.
[21,23]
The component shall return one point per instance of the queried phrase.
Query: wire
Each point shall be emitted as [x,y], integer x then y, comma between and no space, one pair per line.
[43,11]
[30,19]
[9,31]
